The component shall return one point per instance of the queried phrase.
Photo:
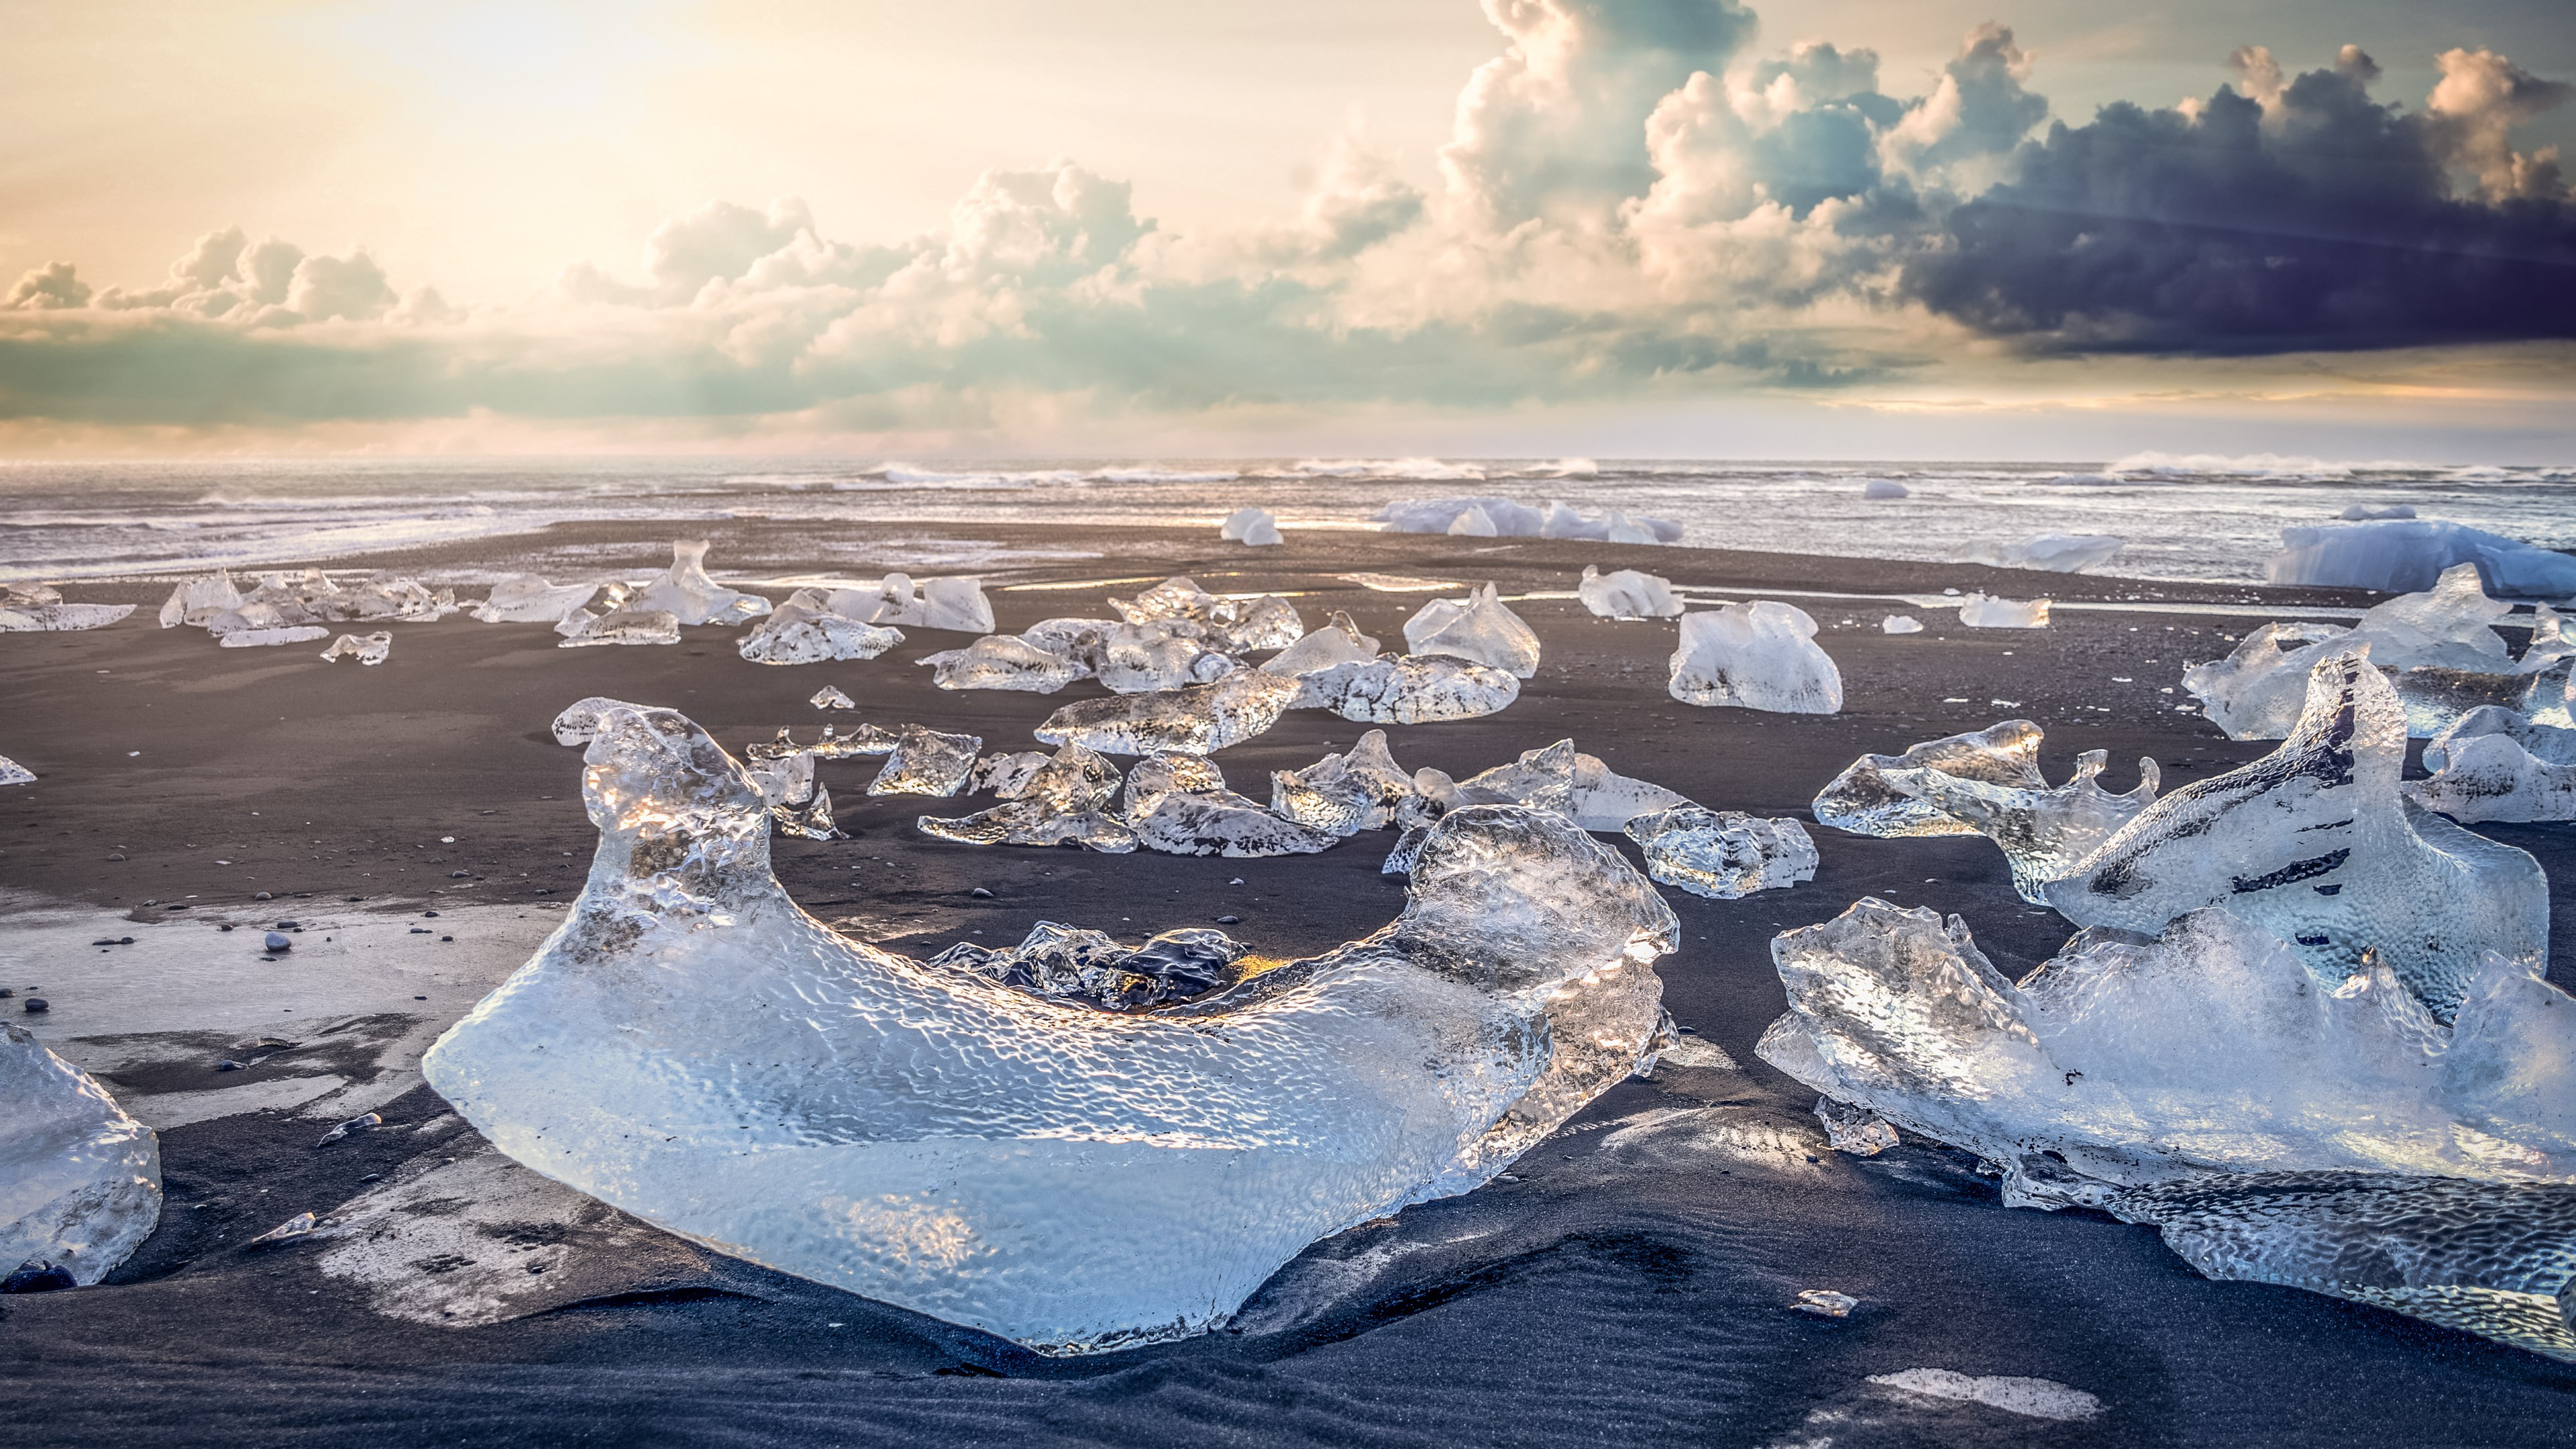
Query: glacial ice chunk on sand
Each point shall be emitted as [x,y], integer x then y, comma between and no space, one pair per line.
[1196,721]
[39,609]
[1979,611]
[80,1180]
[1221,822]
[1251,526]
[1344,794]
[1626,594]
[198,601]
[957,605]
[1762,655]
[1338,642]
[1557,778]
[926,762]
[831,697]
[271,638]
[966,1149]
[1002,661]
[1407,689]
[582,629]
[1481,630]
[1067,963]
[1723,854]
[1061,799]
[2045,832]
[2064,553]
[796,634]
[1900,624]
[1161,654]
[368,649]
[2400,554]
[2315,843]
[529,599]
[1862,801]
[13,773]
[686,593]
[1239,626]
[2495,764]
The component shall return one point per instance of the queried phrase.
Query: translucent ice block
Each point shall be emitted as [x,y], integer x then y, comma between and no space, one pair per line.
[793,634]
[529,599]
[80,1181]
[1221,822]
[1344,794]
[1408,689]
[197,601]
[686,593]
[13,773]
[372,649]
[2257,691]
[1162,654]
[391,596]
[1762,655]
[1067,963]
[1482,630]
[694,1049]
[1253,526]
[1979,611]
[1001,661]
[1861,801]
[1723,854]
[2045,833]
[2495,764]
[1338,642]
[1626,594]
[582,629]
[1900,624]
[830,697]
[39,609]
[1047,800]
[270,638]
[1195,721]
[926,762]
[952,604]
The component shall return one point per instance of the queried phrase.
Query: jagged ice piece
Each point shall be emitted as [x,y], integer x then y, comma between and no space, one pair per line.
[686,593]
[1408,689]
[1001,661]
[926,762]
[1253,526]
[1862,801]
[1979,611]
[1481,630]
[80,1180]
[372,649]
[1626,594]
[793,634]
[1195,721]
[2045,833]
[1723,854]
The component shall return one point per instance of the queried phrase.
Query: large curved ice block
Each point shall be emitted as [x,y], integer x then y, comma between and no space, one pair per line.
[80,1181]
[2315,843]
[693,1048]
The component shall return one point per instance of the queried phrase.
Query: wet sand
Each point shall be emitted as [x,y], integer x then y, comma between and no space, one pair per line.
[1633,1282]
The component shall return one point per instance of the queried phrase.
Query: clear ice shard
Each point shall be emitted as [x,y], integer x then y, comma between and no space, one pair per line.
[1338,642]
[1762,655]
[830,697]
[1344,794]
[686,593]
[2045,833]
[13,773]
[1047,800]
[1407,689]
[582,629]
[1856,1130]
[796,634]
[1252,526]
[578,723]
[2064,553]
[2315,843]
[2212,1047]
[2495,764]
[1196,721]
[1238,626]
[198,601]
[694,1049]
[1558,778]
[1480,630]
[1179,805]
[39,609]
[390,596]
[1862,801]
[1723,854]
[1626,594]
[1162,654]
[80,1180]
[926,762]
[1900,624]
[370,649]
[529,599]
[1068,963]
[1979,611]
[957,605]
[1002,661]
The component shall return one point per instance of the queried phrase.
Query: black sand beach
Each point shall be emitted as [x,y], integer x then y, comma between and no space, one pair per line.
[1632,1282]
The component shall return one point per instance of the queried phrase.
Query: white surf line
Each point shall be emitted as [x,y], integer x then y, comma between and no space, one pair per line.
[1706,594]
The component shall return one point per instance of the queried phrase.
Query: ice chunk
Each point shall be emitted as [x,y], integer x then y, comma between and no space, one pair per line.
[2550,642]
[2364,513]
[1861,801]
[1885,488]
[2402,554]
[578,724]
[2495,764]
[830,697]
[1235,625]
[582,629]
[371,649]
[1604,799]
[2064,553]
[1563,522]
[1070,964]
[1978,611]
[926,762]
[1762,655]
[2045,833]
[955,1146]
[1338,642]
[812,819]
[1006,775]
[1481,629]
[1344,794]
[198,601]
[863,741]
[39,609]
[268,638]
[529,599]
[1178,597]
[1161,774]
[1723,854]
[1162,654]
[1047,800]
[1472,522]
[1194,721]
[793,634]
[1220,822]
[1618,527]
[1000,661]
[1558,779]
[953,604]
[2315,843]
[1440,515]
[1253,526]
[2441,642]
[391,596]
[686,593]
[1900,624]
[1856,1130]
[1410,689]
[80,1181]
[13,773]
[1269,622]
[1626,594]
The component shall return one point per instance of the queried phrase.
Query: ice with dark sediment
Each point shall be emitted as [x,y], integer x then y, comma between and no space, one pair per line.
[1762,655]
[810,818]
[198,601]
[831,697]
[925,761]
[1344,794]
[1626,594]
[13,773]
[1198,721]
[684,592]
[1338,642]
[1900,624]
[1981,611]
[1855,1130]
[963,1148]
[2316,843]
[1407,689]
[1067,963]
[1480,629]
[957,605]
[366,649]
[578,723]
[1723,854]
[530,599]
[2396,554]
[1060,799]
[625,624]
[80,1179]
[2495,764]
[1252,526]
[39,609]
[796,633]
[2497,1259]
[2064,553]
[2045,831]
[1005,774]
[1002,661]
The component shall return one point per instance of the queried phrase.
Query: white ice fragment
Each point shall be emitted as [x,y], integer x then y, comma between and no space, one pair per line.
[686,593]
[1855,1130]
[1407,689]
[1252,526]
[1885,488]
[1002,661]
[529,599]
[1343,794]
[1762,655]
[199,601]
[926,762]
[370,649]
[13,773]
[2401,554]
[269,638]
[1826,1303]
[1182,609]
[1480,629]
[831,697]
[1978,611]
[2064,553]
[1472,522]
[957,605]
[1161,654]
[1338,642]
[1618,527]
[1723,854]
[955,1146]
[2495,764]
[1198,721]
[795,634]
[80,1181]
[1900,624]
[1626,594]
[582,629]
[2045,832]
[2315,843]
[2030,1398]
[1166,773]
[39,609]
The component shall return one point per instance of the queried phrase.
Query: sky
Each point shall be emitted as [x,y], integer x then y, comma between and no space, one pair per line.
[1852,228]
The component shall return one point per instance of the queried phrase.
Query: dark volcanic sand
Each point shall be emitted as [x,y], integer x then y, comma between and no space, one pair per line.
[1632,1284]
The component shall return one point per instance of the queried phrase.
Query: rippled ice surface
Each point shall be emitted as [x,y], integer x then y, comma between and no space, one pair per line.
[2194,518]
